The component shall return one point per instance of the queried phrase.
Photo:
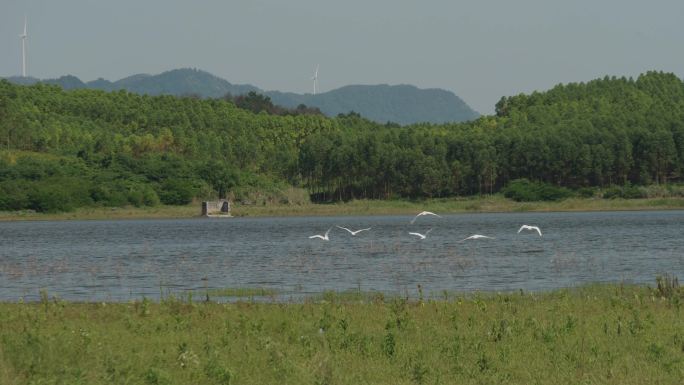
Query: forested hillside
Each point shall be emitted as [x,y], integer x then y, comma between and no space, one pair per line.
[178,82]
[63,149]
[403,104]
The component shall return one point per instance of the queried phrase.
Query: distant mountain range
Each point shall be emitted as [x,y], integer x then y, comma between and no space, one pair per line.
[403,104]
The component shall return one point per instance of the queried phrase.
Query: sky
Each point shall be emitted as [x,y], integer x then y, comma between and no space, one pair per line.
[480,50]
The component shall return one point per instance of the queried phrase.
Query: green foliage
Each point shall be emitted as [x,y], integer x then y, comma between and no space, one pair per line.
[13,195]
[614,135]
[586,192]
[175,192]
[624,192]
[522,190]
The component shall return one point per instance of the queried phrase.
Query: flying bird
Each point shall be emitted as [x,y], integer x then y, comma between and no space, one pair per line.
[323,237]
[527,227]
[421,236]
[476,236]
[353,232]
[424,213]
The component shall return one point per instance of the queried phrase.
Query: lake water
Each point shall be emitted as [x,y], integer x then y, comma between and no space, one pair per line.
[131,259]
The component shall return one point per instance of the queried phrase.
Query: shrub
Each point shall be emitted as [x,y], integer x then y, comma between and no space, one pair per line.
[150,197]
[667,285]
[48,198]
[141,195]
[175,192]
[109,194]
[654,191]
[586,192]
[13,195]
[612,192]
[625,192]
[632,192]
[676,190]
[523,190]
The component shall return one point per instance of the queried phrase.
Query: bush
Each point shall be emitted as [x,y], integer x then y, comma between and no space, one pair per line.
[654,191]
[625,192]
[175,192]
[586,192]
[109,194]
[150,197]
[47,198]
[612,192]
[676,190]
[523,190]
[632,192]
[13,196]
[117,193]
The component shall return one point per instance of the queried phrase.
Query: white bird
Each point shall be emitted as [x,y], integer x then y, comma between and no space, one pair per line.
[421,236]
[323,237]
[424,213]
[527,227]
[353,232]
[476,236]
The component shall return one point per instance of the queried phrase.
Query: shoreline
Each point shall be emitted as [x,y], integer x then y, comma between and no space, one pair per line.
[493,204]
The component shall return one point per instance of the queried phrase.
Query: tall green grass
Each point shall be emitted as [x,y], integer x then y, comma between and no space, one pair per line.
[592,335]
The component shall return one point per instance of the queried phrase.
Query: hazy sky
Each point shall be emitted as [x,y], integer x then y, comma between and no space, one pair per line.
[480,50]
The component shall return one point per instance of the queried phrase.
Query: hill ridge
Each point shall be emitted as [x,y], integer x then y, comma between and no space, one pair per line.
[401,103]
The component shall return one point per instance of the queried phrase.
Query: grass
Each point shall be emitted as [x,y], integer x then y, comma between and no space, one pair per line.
[600,334]
[495,203]
[241,292]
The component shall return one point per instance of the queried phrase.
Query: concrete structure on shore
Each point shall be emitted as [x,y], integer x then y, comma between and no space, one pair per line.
[220,208]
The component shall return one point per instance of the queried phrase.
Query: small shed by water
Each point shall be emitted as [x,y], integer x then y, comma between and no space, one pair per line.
[219,208]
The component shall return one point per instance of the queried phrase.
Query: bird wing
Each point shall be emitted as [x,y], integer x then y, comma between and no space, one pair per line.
[316,236]
[430,213]
[476,236]
[360,230]
[326,233]
[523,227]
[538,230]
[418,235]
[344,228]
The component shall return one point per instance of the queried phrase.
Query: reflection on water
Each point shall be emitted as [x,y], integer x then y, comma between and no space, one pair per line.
[122,260]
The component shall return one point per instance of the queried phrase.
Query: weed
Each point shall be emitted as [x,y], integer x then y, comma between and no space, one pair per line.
[389,344]
[418,372]
[667,285]
[483,363]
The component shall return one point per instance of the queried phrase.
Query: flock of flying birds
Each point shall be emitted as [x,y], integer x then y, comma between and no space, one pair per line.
[422,236]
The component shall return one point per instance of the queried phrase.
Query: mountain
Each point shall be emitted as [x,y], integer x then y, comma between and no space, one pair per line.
[182,82]
[403,104]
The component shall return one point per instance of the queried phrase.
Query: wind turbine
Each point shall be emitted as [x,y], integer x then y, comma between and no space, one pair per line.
[315,79]
[23,37]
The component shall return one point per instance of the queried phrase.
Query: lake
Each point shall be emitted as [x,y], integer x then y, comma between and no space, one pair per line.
[131,259]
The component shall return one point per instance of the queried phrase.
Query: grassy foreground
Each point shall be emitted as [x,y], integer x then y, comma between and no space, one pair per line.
[496,203]
[591,335]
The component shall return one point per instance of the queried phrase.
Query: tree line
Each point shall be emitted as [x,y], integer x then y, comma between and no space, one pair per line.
[64,149]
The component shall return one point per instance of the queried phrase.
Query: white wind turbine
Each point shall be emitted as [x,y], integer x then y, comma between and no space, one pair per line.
[23,37]
[315,79]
